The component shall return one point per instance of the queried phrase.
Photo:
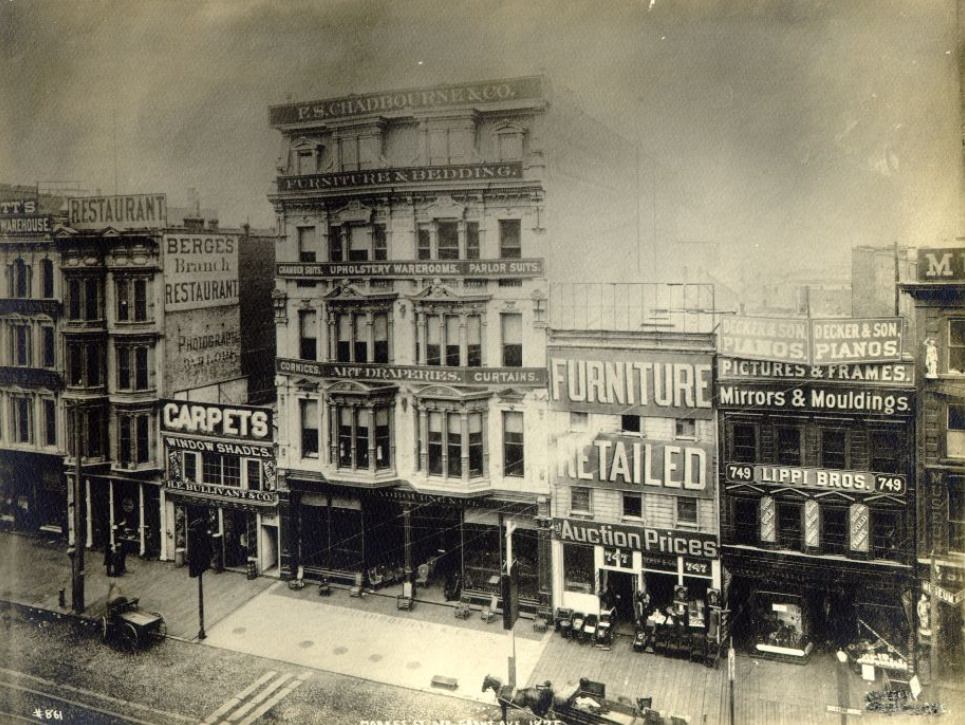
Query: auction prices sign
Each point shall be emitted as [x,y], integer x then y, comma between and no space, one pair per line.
[638,538]
[401,176]
[817,478]
[200,270]
[892,373]
[412,99]
[415,268]
[631,382]
[371,372]
[634,463]
[814,342]
[814,397]
[131,211]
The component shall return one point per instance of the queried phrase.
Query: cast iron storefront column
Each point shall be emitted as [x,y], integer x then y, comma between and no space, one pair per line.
[407,531]
[287,534]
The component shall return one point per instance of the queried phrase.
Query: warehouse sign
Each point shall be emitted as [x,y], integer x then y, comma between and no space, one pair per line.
[637,538]
[941,265]
[212,419]
[131,211]
[813,342]
[631,382]
[501,268]
[414,99]
[814,397]
[29,225]
[634,463]
[401,176]
[378,372]
[892,373]
[200,270]
[817,478]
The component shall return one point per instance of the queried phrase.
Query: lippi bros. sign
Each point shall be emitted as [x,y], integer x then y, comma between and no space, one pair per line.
[218,421]
[631,382]
[638,538]
[817,478]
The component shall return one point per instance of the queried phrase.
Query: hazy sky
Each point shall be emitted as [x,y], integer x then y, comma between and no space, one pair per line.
[788,132]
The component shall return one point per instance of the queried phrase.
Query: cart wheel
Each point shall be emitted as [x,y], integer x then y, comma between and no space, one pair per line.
[104,629]
[128,637]
[162,630]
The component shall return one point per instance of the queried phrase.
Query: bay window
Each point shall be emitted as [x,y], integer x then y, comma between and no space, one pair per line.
[132,367]
[360,433]
[131,299]
[134,439]
[451,440]
[513,458]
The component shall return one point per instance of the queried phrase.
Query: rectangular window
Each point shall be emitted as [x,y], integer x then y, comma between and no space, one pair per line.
[383,439]
[190,466]
[452,340]
[745,520]
[434,339]
[630,424]
[73,299]
[140,368]
[95,432]
[50,422]
[93,364]
[232,470]
[686,511]
[472,240]
[475,444]
[885,451]
[307,251]
[123,302]
[360,344]
[335,244]
[380,244]
[91,302]
[632,506]
[49,353]
[424,244]
[580,499]
[435,444]
[22,420]
[125,445]
[955,435]
[304,162]
[124,368]
[22,345]
[47,272]
[363,427]
[513,463]
[359,243]
[343,345]
[143,438]
[834,448]
[956,346]
[211,468]
[474,340]
[834,529]
[789,446]
[956,513]
[309,416]
[307,331]
[744,437]
[578,568]
[512,331]
[685,428]
[380,335]
[448,236]
[253,474]
[454,445]
[886,534]
[510,245]
[140,300]
[789,525]
[75,364]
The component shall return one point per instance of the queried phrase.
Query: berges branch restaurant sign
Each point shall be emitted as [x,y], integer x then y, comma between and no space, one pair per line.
[378,372]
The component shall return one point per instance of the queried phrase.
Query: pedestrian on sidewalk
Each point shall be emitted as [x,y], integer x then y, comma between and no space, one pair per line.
[109,559]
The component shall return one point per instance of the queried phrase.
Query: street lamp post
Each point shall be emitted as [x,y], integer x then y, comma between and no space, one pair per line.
[76,552]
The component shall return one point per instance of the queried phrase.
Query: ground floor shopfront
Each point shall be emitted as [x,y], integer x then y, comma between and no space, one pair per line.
[33,492]
[788,606]
[123,513]
[941,623]
[386,536]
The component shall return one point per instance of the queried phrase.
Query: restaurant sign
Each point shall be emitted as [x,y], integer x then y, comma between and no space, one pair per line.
[631,382]
[638,538]
[941,264]
[413,99]
[814,397]
[132,211]
[634,463]
[893,373]
[814,342]
[379,372]
[401,176]
[231,493]
[502,268]
[817,478]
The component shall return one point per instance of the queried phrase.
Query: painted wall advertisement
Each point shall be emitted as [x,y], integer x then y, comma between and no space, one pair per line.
[633,463]
[813,342]
[200,270]
[631,382]
[202,347]
[131,211]
[814,397]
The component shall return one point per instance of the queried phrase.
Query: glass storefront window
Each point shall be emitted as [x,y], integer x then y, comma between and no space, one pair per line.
[578,568]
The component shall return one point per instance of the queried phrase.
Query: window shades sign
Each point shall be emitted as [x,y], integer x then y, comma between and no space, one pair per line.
[816,342]
[631,382]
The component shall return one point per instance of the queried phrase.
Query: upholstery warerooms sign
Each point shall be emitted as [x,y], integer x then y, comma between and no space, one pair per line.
[502,268]
[638,538]
[530,377]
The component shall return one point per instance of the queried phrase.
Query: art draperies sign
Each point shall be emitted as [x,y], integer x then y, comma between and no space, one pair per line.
[631,382]
[815,397]
[814,342]
[637,538]
[817,478]
[634,463]
[401,176]
[131,211]
[378,372]
[462,94]
[501,268]
[200,270]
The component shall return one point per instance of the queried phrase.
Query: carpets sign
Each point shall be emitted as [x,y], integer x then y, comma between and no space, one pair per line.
[637,538]
[212,419]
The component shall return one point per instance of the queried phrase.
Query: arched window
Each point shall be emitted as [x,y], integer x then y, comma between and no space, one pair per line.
[47,277]
[21,279]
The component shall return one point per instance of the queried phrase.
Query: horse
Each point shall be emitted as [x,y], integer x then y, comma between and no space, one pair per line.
[539,700]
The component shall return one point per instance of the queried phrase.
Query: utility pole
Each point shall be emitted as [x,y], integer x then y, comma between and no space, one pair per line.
[897,282]
[933,616]
[77,553]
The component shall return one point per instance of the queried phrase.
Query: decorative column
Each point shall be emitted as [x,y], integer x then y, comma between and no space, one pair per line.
[860,530]
[369,337]
[423,439]
[768,520]
[812,525]
[464,444]
[407,531]
[370,408]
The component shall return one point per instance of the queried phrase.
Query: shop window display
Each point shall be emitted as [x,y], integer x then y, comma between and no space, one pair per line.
[781,626]
[481,547]
[578,568]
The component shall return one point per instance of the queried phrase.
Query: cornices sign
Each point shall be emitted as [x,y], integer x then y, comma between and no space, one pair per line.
[626,462]
[416,268]
[817,478]
[527,377]
[463,94]
[245,495]
[631,382]
[401,177]
[941,265]
[815,342]
[814,397]
[892,373]
[133,211]
[649,541]
[200,270]
[220,421]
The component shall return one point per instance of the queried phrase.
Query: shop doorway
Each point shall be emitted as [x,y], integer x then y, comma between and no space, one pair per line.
[235,538]
[619,588]
[269,550]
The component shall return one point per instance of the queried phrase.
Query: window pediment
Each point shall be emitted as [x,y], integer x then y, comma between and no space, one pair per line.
[355,212]
[355,393]
[438,292]
[834,496]
[444,207]
[348,292]
[442,396]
